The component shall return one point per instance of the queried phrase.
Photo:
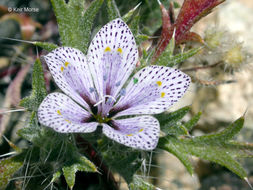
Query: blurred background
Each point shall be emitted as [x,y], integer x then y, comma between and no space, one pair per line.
[221,103]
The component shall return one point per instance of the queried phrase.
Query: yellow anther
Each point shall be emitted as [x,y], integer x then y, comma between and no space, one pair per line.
[159,83]
[140,130]
[58,111]
[129,135]
[68,121]
[119,50]
[66,64]
[107,49]
[162,94]
[62,68]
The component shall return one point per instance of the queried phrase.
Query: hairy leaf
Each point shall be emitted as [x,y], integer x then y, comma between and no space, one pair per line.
[216,148]
[170,121]
[46,46]
[74,24]
[38,88]
[130,13]
[81,164]
[8,167]
[116,156]
[112,10]
[139,184]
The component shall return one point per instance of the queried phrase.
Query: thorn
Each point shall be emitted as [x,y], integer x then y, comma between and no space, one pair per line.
[174,33]
[18,40]
[12,145]
[137,6]
[10,111]
[248,182]
[245,112]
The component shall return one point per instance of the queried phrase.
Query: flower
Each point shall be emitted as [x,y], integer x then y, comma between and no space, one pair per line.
[98,91]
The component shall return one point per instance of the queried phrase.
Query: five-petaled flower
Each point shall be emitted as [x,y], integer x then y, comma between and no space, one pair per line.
[99,92]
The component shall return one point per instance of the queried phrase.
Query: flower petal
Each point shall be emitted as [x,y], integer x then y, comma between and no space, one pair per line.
[70,71]
[62,114]
[112,56]
[137,132]
[152,90]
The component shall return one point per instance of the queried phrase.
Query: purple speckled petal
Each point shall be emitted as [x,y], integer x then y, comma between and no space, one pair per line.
[112,57]
[137,132]
[70,71]
[62,114]
[152,90]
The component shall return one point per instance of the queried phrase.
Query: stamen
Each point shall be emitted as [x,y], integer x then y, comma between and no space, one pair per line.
[103,99]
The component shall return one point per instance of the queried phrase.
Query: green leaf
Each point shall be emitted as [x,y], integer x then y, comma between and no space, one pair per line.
[116,156]
[74,24]
[38,88]
[169,122]
[8,167]
[46,46]
[169,144]
[56,176]
[192,122]
[134,25]
[130,13]
[223,136]
[70,169]
[216,148]
[32,131]
[167,59]
[139,184]
[112,10]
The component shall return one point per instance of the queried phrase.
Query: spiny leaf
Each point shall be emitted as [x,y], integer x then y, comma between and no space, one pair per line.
[192,122]
[223,136]
[38,88]
[32,131]
[167,60]
[82,164]
[56,175]
[112,10]
[215,147]
[116,156]
[169,145]
[74,25]
[8,167]
[46,46]
[130,13]
[139,184]
[168,121]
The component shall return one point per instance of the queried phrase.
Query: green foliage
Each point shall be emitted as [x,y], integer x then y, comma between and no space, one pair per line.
[112,10]
[218,147]
[139,184]
[168,59]
[81,164]
[46,46]
[116,156]
[170,122]
[8,167]
[74,24]
[38,89]
[130,13]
